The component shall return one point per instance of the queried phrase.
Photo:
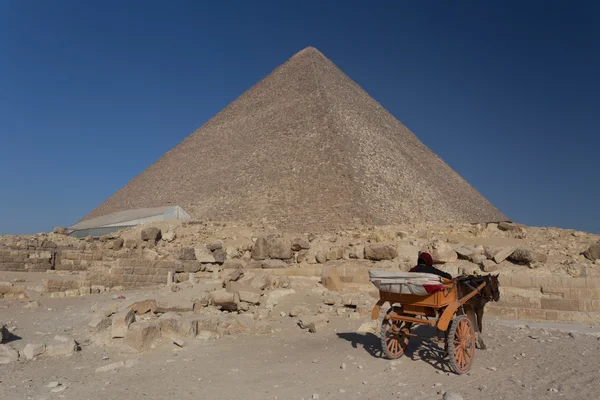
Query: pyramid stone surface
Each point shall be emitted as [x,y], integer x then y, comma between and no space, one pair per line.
[305,148]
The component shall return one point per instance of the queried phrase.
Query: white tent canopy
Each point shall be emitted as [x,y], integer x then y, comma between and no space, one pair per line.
[124,219]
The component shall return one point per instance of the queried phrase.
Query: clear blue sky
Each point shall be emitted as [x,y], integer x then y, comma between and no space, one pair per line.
[92,93]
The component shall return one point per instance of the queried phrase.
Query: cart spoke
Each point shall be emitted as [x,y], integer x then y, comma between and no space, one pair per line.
[390,342]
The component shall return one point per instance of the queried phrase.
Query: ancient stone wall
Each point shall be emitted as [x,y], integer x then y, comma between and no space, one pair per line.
[544,274]
[26,260]
[563,299]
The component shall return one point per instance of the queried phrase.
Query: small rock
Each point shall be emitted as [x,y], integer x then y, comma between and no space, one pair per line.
[593,252]
[170,304]
[368,327]
[121,322]
[178,342]
[8,354]
[53,385]
[143,307]
[280,248]
[225,300]
[503,254]
[58,389]
[60,230]
[249,297]
[185,254]
[110,367]
[300,244]
[32,304]
[299,310]
[442,252]
[489,265]
[492,369]
[452,396]
[522,256]
[316,396]
[169,236]
[218,245]
[33,350]
[381,251]
[99,323]
[141,335]
[64,346]
[236,275]
[508,226]
[151,234]
[314,324]
[343,366]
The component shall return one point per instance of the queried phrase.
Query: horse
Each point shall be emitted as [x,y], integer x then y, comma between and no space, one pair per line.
[474,307]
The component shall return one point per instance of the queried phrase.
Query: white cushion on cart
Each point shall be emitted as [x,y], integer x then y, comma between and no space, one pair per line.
[404,282]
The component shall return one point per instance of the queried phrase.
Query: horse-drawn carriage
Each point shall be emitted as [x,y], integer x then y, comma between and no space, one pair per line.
[452,306]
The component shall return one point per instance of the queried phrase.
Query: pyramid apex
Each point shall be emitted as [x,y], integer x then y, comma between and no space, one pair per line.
[307,51]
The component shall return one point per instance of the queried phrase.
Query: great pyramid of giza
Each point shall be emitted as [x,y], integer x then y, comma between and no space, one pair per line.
[305,147]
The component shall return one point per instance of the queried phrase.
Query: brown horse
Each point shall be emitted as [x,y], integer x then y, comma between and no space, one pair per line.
[475,306]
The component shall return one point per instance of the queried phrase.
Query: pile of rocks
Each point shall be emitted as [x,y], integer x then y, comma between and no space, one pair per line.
[484,258]
[238,303]
[60,346]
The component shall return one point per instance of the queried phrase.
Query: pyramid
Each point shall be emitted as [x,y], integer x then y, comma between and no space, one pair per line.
[305,148]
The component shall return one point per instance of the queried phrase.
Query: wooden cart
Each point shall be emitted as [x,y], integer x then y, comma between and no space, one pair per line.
[443,310]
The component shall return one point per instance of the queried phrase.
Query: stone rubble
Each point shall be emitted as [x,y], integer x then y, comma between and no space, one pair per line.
[8,354]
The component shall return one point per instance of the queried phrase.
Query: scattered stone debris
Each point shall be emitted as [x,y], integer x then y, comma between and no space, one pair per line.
[121,322]
[442,252]
[452,396]
[110,367]
[314,324]
[8,354]
[32,304]
[593,252]
[368,327]
[61,346]
[33,350]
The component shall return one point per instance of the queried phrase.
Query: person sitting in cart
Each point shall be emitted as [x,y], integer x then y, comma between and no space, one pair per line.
[425,265]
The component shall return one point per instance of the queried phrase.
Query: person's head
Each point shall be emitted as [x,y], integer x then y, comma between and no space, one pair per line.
[425,259]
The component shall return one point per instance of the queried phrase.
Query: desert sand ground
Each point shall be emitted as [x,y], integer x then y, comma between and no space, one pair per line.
[522,361]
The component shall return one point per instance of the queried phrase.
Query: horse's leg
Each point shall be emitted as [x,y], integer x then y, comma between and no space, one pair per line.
[446,342]
[478,333]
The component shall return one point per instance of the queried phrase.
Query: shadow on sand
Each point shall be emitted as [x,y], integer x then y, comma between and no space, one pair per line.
[11,337]
[424,349]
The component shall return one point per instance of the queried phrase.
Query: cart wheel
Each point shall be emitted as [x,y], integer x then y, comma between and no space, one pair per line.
[393,340]
[461,344]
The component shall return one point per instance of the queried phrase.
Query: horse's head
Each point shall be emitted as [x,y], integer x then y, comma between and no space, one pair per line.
[493,287]
[491,291]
